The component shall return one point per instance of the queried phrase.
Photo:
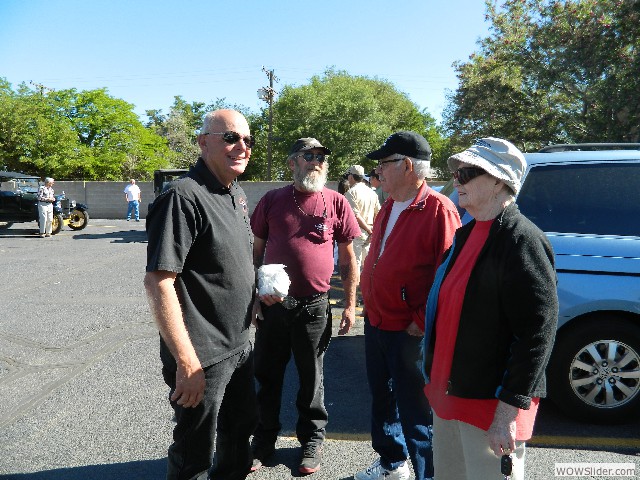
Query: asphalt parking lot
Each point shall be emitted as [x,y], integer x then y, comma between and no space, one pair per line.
[81,395]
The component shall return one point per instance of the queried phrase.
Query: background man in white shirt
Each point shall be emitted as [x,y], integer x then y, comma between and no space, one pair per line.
[132,196]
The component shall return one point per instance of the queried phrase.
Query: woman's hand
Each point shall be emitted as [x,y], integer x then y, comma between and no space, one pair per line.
[502,432]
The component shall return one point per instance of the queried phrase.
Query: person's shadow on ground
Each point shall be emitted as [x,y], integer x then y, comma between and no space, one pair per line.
[115,471]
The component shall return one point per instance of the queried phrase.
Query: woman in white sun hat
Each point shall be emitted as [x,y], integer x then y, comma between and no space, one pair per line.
[490,323]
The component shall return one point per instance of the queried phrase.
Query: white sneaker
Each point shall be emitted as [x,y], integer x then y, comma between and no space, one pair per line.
[378,472]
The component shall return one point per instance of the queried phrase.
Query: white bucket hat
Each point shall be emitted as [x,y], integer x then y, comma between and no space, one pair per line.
[499,158]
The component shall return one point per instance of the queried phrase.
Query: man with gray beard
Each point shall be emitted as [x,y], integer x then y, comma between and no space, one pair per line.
[296,226]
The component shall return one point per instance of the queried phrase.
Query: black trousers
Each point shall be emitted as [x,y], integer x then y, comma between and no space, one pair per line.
[226,415]
[304,332]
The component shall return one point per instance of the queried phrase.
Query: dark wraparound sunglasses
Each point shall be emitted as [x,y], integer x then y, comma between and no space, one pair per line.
[310,157]
[466,174]
[234,137]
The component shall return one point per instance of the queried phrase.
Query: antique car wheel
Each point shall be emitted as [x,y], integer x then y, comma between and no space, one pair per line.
[78,219]
[594,372]
[56,224]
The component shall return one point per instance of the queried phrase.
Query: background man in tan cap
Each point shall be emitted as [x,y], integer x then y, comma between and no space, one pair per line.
[365,205]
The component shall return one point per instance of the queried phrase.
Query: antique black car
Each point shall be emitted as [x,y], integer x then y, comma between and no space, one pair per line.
[161,178]
[19,203]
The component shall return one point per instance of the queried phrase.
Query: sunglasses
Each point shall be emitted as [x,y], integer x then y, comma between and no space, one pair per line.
[310,157]
[466,174]
[234,137]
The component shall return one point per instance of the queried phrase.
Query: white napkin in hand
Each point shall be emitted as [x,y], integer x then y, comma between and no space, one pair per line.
[273,280]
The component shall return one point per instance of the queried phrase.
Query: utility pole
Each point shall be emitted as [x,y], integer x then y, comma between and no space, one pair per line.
[41,87]
[267,94]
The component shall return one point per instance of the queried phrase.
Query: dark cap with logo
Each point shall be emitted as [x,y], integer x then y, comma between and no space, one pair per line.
[410,144]
[308,143]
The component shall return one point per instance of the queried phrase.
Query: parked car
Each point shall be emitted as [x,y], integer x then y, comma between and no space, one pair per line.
[74,214]
[19,203]
[161,178]
[586,198]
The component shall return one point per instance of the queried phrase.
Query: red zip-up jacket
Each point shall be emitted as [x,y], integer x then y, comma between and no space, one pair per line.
[395,284]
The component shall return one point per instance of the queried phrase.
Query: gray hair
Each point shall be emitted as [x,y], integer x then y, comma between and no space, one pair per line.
[49,180]
[422,168]
[208,121]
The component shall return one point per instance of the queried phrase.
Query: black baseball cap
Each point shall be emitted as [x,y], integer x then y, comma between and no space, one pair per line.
[410,144]
[308,143]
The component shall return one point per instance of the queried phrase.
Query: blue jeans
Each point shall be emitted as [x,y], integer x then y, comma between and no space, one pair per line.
[305,332]
[228,413]
[401,421]
[134,206]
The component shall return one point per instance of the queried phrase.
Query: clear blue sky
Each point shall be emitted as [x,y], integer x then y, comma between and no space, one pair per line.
[146,52]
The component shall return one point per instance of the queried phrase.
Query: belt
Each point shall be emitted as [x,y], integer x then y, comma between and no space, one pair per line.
[290,302]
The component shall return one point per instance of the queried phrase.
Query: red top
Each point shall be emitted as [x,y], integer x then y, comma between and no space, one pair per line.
[476,412]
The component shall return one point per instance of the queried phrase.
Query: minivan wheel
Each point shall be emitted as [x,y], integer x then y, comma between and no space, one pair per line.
[594,372]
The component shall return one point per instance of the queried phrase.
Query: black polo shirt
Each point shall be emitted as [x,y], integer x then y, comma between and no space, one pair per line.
[200,229]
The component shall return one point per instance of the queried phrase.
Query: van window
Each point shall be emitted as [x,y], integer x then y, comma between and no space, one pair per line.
[599,198]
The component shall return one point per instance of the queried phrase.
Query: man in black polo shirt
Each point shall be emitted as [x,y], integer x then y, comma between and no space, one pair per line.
[200,283]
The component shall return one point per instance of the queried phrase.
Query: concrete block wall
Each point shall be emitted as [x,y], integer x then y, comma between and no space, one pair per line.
[106,199]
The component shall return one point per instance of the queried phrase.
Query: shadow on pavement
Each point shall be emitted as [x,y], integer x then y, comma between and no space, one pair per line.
[116,471]
[346,390]
[122,236]
[347,394]
[19,232]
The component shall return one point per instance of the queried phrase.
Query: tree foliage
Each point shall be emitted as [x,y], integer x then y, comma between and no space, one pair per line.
[351,115]
[75,135]
[552,72]
[180,127]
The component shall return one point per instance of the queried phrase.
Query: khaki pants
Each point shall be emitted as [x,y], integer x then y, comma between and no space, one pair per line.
[45,215]
[461,452]
[361,250]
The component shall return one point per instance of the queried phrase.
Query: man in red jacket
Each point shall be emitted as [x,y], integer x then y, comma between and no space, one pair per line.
[414,228]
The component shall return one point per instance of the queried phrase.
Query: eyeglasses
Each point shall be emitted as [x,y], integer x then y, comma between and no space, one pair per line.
[381,163]
[310,157]
[466,174]
[233,137]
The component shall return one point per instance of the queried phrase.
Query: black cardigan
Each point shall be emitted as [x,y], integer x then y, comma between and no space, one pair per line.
[509,314]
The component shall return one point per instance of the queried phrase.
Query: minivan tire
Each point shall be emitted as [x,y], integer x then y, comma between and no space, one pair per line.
[608,344]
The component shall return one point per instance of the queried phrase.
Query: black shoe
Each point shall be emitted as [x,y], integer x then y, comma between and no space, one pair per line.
[261,453]
[311,458]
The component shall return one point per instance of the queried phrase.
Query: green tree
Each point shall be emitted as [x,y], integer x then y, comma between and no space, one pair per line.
[351,115]
[551,72]
[32,137]
[180,127]
[75,135]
